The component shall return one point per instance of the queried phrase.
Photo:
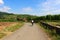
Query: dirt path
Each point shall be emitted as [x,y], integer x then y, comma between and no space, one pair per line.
[27,32]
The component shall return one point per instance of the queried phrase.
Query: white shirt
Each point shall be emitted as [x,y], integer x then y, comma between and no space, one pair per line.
[32,20]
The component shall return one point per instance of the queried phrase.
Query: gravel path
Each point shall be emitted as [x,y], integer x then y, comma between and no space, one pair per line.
[27,32]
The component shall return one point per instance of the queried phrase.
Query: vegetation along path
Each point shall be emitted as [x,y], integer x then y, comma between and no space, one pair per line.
[28,32]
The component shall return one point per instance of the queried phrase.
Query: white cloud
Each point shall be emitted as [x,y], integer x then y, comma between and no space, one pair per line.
[1,2]
[5,9]
[50,6]
[27,9]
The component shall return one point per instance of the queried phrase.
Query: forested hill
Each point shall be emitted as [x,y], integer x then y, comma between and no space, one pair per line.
[5,13]
[4,16]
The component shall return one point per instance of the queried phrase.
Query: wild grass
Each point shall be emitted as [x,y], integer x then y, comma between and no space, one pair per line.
[52,34]
[2,35]
[10,29]
[13,28]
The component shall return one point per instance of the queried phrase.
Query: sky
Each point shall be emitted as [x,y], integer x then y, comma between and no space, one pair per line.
[32,7]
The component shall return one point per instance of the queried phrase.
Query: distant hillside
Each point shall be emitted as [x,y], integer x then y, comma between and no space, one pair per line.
[5,13]
[4,16]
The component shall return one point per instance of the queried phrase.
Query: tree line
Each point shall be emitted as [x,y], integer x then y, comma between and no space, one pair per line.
[48,18]
[22,17]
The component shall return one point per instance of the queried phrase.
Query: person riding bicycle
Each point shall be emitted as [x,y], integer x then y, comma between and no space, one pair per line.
[32,21]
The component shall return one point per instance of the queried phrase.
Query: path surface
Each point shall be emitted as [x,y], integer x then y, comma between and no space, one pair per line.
[27,32]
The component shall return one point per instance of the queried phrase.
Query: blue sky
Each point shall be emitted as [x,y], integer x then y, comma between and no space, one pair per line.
[33,7]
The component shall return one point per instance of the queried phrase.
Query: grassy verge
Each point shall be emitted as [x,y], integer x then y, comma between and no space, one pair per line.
[10,29]
[13,28]
[51,34]
[2,35]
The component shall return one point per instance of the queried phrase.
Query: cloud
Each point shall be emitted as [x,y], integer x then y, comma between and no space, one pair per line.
[27,9]
[1,2]
[5,9]
[50,6]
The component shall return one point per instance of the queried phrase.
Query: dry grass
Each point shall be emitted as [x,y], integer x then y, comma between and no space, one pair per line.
[6,28]
[3,25]
[53,23]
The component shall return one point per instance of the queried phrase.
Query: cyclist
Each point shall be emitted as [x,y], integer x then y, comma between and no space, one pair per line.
[32,21]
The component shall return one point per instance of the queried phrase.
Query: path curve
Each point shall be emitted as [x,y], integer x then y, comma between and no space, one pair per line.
[28,32]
